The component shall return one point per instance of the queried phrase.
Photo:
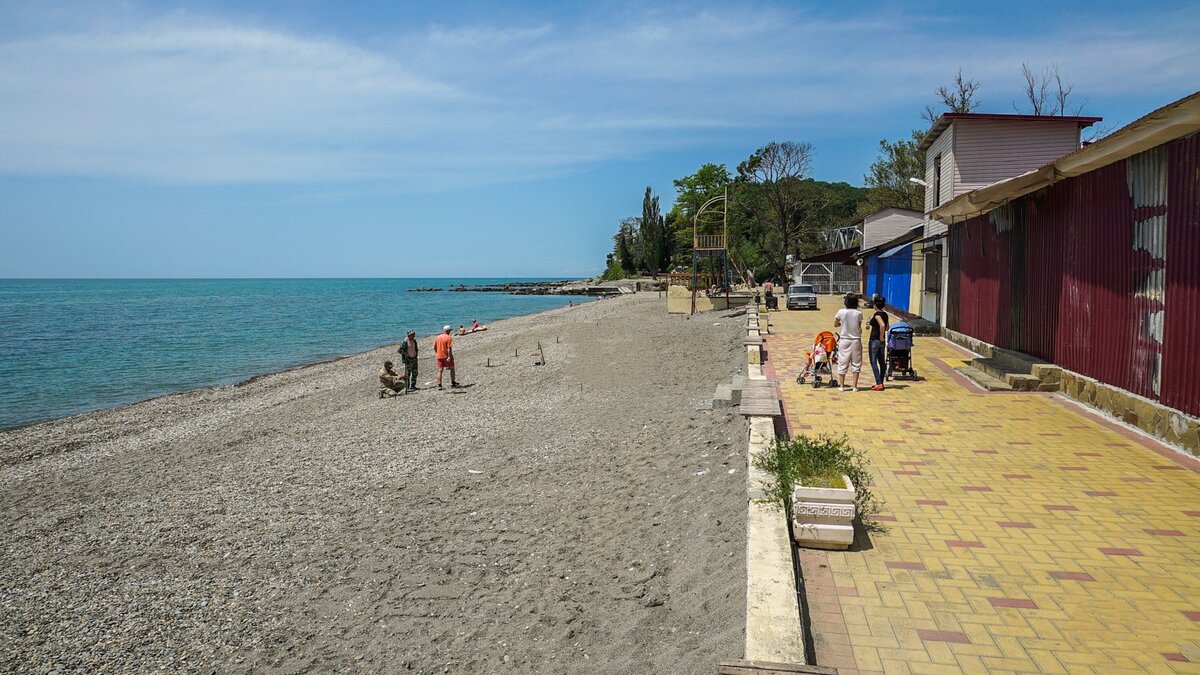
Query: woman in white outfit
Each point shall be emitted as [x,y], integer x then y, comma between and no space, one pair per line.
[849,319]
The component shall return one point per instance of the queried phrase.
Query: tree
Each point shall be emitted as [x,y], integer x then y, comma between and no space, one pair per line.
[958,98]
[691,192]
[774,174]
[888,183]
[628,247]
[653,234]
[1046,92]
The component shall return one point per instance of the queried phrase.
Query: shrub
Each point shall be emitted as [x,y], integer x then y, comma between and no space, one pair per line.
[614,272]
[817,462]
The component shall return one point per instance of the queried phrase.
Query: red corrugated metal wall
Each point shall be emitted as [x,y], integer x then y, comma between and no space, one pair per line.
[1181,339]
[1074,274]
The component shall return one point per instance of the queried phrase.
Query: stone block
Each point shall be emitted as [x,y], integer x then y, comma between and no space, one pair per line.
[1190,439]
[753,355]
[1023,382]
[723,397]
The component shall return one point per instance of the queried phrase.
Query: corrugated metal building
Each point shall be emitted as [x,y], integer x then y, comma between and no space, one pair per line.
[1092,262]
[887,255]
[890,276]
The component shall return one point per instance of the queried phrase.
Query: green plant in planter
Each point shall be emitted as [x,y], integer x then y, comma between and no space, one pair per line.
[817,462]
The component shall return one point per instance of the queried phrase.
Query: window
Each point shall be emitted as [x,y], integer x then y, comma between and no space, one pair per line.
[933,270]
[937,180]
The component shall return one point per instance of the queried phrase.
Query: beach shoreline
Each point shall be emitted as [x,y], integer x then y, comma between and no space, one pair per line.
[588,511]
[241,381]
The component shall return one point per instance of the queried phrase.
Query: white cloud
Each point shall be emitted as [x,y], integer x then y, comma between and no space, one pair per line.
[194,99]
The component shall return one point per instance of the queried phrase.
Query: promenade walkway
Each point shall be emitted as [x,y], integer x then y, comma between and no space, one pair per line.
[1023,534]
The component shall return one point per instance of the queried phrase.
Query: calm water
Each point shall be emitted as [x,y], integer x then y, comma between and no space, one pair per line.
[71,346]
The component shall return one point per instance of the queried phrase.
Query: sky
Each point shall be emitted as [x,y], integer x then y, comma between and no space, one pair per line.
[417,139]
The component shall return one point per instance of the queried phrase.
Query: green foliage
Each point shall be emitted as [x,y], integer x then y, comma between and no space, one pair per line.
[816,462]
[691,192]
[653,234]
[888,185]
[774,210]
[614,272]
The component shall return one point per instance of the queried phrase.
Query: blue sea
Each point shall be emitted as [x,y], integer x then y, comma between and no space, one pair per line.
[69,346]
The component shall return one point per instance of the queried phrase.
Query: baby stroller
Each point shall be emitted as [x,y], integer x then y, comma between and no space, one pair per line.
[899,351]
[820,360]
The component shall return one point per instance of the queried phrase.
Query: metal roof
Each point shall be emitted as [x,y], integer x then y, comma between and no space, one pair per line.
[895,244]
[1174,120]
[940,124]
[845,255]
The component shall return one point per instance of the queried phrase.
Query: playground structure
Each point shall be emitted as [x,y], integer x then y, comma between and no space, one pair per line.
[707,286]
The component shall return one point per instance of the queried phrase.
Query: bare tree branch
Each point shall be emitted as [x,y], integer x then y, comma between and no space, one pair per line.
[1043,100]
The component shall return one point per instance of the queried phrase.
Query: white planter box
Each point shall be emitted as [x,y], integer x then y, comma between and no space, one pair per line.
[824,517]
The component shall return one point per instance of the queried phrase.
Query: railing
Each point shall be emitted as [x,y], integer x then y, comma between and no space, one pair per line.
[704,280]
[709,242]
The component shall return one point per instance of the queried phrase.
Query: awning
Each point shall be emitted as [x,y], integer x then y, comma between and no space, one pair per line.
[845,256]
[893,246]
[1166,124]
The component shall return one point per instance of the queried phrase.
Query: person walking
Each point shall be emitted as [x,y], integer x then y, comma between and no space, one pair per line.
[877,342]
[408,354]
[443,349]
[849,319]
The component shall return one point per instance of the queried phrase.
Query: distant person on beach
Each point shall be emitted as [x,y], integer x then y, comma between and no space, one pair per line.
[849,319]
[408,354]
[390,380]
[474,324]
[443,349]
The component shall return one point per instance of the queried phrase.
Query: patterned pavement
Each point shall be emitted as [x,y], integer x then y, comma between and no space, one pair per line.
[1023,533]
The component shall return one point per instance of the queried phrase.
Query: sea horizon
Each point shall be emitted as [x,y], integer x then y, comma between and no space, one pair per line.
[72,346]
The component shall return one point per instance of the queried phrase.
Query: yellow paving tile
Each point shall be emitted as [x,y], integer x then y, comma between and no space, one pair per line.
[1029,536]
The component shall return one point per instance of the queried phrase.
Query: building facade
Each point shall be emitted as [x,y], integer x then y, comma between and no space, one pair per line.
[968,151]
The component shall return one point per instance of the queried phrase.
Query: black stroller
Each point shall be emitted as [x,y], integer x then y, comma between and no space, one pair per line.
[899,353]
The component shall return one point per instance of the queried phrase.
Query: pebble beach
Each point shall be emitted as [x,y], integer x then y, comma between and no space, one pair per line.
[586,515]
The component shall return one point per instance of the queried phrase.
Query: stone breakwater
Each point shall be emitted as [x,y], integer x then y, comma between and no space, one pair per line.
[567,287]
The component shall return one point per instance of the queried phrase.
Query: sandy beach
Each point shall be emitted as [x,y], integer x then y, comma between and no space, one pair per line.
[587,515]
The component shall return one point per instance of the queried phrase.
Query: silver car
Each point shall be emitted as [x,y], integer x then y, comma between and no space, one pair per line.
[801,296]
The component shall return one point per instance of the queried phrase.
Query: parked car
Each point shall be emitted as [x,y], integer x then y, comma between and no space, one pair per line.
[801,296]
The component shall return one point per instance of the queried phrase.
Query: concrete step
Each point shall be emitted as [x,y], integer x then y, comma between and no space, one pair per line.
[983,379]
[723,397]
[1020,371]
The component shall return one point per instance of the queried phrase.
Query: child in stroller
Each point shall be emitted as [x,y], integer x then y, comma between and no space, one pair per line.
[899,353]
[820,360]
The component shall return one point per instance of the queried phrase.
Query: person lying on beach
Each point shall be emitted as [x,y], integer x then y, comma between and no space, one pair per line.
[390,380]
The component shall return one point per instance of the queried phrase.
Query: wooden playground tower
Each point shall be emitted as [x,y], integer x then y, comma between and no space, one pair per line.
[710,238]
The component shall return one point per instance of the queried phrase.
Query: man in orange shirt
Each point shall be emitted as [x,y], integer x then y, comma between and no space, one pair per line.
[443,349]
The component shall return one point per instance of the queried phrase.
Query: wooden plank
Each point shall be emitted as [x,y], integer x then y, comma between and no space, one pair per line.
[744,667]
[759,397]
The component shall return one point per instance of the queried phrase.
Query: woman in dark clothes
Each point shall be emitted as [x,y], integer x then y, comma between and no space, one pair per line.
[877,342]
